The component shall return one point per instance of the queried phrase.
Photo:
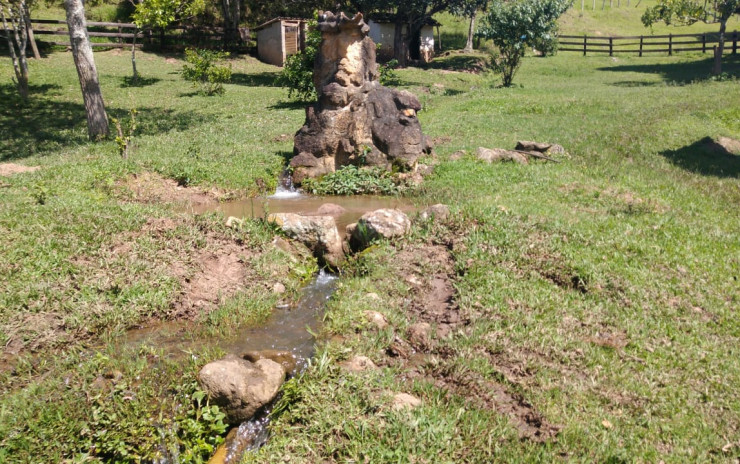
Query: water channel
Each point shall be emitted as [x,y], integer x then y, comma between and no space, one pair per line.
[290,327]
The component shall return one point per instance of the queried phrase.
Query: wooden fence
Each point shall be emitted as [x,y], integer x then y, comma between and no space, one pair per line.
[639,44]
[120,35]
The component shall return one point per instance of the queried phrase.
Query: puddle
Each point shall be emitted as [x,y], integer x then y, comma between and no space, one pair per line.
[294,202]
[289,328]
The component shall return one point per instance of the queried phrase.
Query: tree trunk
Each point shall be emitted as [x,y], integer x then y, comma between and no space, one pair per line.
[29,31]
[720,49]
[20,64]
[400,46]
[232,14]
[133,55]
[97,119]
[469,44]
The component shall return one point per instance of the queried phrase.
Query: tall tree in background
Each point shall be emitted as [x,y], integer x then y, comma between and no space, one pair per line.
[17,41]
[231,10]
[97,119]
[158,14]
[469,9]
[687,12]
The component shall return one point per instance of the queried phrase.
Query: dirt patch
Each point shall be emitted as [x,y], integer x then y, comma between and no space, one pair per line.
[220,272]
[8,169]
[429,272]
[149,187]
[494,396]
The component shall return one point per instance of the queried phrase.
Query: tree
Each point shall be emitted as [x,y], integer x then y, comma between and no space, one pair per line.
[97,119]
[469,9]
[158,14]
[17,37]
[687,12]
[513,27]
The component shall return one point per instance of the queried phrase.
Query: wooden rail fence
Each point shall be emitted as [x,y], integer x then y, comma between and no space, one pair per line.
[120,35]
[640,44]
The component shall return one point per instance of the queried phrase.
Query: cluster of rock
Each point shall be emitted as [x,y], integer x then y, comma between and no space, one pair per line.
[356,120]
[522,153]
[243,385]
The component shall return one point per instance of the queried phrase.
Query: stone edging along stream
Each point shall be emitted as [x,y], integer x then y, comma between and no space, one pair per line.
[244,387]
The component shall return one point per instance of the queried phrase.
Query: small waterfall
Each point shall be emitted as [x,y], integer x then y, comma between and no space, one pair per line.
[285,187]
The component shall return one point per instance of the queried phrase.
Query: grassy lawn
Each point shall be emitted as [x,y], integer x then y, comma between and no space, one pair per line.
[595,299]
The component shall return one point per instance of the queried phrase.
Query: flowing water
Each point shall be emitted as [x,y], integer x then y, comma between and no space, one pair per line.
[289,328]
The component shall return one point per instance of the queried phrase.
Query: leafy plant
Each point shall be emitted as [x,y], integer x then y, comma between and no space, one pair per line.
[125,132]
[351,180]
[202,70]
[515,26]
[387,72]
[297,74]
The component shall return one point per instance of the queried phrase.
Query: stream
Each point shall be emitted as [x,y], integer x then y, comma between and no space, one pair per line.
[289,327]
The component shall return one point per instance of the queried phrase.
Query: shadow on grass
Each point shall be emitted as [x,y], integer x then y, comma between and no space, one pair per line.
[290,105]
[685,72]
[140,81]
[43,124]
[457,61]
[705,157]
[263,79]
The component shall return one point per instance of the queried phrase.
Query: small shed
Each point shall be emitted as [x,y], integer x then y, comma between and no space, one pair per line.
[382,31]
[279,38]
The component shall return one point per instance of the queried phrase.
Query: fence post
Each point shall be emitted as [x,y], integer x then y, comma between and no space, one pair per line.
[734,43]
[704,43]
[585,41]
[670,44]
[641,39]
[120,31]
[611,46]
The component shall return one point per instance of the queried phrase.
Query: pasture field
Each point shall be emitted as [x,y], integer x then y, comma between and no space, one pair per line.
[592,302]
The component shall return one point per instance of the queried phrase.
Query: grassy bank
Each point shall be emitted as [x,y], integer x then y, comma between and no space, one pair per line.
[594,299]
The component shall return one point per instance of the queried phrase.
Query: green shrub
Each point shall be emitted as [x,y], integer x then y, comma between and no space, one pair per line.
[351,180]
[515,26]
[297,74]
[387,72]
[203,72]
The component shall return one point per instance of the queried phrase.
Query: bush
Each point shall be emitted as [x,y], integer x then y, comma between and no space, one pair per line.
[203,72]
[351,180]
[297,74]
[515,26]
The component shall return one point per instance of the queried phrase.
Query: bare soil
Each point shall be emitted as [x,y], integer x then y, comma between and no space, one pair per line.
[429,271]
[8,169]
[149,187]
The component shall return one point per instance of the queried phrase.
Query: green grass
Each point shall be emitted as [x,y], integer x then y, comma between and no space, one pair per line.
[640,215]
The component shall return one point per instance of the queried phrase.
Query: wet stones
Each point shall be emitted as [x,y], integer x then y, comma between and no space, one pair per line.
[318,233]
[239,387]
[382,223]
[356,120]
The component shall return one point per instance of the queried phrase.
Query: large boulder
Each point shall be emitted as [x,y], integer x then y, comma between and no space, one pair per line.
[240,388]
[356,120]
[318,233]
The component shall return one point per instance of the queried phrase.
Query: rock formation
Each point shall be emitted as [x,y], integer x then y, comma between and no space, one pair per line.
[356,120]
